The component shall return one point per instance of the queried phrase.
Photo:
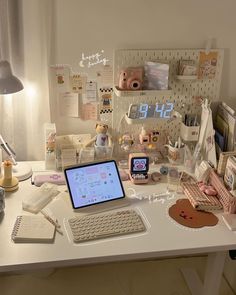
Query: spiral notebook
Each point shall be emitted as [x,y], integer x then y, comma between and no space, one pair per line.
[32,229]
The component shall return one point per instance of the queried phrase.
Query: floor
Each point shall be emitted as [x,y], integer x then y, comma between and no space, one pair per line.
[130,278]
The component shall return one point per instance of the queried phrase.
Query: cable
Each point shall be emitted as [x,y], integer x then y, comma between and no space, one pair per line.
[8,150]
[150,197]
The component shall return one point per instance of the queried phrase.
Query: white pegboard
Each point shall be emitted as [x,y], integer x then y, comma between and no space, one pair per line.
[183,93]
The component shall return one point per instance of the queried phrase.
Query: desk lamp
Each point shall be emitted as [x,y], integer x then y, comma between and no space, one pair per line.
[10,84]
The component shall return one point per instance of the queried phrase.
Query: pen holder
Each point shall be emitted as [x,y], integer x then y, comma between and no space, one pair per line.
[175,155]
[103,152]
[189,133]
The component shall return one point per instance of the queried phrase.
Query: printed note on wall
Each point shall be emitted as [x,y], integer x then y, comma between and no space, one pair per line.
[89,111]
[78,83]
[61,75]
[105,76]
[69,104]
[90,95]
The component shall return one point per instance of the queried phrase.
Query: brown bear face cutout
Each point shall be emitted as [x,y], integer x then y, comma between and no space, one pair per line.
[184,213]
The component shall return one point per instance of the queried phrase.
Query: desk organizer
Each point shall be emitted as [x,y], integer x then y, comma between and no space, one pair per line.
[199,200]
[227,200]
[103,152]
[90,154]
[189,133]
[202,202]
[223,161]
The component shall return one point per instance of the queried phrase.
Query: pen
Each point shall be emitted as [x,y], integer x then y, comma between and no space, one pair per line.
[54,222]
[179,142]
[169,141]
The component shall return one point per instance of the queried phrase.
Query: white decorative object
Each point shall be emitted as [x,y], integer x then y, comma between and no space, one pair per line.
[206,139]
[50,145]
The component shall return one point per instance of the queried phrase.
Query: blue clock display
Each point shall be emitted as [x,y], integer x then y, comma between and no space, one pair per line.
[145,111]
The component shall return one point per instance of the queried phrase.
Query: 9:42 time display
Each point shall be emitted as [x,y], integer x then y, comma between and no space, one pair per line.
[145,111]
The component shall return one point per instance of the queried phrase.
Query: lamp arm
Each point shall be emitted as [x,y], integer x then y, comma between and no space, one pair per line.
[10,152]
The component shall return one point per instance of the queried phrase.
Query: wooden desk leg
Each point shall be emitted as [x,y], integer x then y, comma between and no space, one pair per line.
[213,275]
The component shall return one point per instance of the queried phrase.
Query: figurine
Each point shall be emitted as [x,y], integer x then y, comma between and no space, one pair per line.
[102,138]
[126,141]
[150,138]
[144,136]
[51,142]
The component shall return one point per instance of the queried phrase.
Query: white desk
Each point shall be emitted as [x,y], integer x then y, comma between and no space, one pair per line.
[164,238]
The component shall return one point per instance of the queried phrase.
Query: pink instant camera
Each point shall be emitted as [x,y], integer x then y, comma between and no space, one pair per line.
[131,79]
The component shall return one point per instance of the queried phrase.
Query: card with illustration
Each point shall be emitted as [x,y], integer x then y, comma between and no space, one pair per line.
[78,83]
[68,103]
[184,213]
[89,111]
[207,65]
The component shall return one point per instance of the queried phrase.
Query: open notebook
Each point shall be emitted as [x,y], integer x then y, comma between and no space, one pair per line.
[33,229]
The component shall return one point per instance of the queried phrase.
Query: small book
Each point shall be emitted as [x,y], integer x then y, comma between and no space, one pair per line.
[32,229]
[223,161]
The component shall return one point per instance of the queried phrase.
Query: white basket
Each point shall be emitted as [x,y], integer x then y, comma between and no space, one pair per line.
[189,133]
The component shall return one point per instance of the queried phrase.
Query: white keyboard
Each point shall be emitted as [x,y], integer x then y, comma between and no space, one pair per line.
[105,225]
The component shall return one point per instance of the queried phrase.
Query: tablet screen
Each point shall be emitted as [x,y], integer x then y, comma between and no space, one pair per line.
[94,183]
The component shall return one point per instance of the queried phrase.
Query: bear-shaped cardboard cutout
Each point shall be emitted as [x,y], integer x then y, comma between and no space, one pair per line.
[184,213]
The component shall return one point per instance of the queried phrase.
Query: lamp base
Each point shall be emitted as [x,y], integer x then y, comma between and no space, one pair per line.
[21,171]
[9,184]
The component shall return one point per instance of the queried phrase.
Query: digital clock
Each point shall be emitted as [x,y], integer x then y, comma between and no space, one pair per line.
[145,111]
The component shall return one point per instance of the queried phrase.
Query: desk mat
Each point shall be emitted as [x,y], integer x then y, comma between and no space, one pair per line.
[184,213]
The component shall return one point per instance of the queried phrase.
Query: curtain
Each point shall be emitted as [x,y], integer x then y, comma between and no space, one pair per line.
[26,36]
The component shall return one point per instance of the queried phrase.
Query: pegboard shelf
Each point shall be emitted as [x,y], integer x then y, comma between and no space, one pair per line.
[184,94]
[130,121]
[187,78]
[135,93]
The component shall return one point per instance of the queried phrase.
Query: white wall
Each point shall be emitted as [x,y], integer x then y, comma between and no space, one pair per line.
[89,26]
